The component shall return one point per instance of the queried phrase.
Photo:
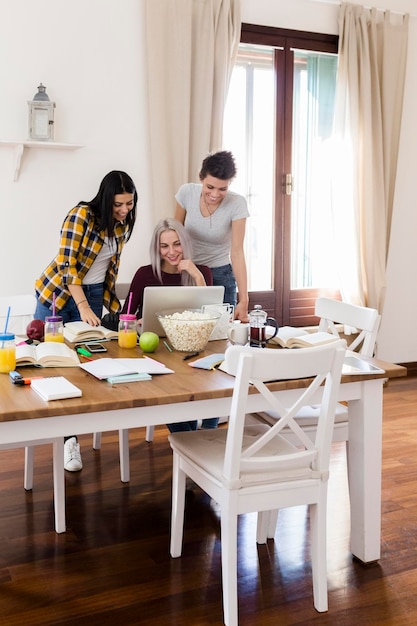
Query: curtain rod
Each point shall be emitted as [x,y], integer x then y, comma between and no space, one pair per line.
[339,3]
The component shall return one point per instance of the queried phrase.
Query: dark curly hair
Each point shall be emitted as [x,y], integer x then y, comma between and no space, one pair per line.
[220,165]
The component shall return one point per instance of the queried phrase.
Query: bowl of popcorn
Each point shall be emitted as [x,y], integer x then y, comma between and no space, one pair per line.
[188,330]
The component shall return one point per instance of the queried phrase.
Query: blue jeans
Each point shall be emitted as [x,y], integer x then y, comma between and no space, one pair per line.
[210,422]
[223,275]
[69,312]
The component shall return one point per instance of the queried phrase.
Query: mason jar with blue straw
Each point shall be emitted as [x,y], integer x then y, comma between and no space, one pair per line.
[7,349]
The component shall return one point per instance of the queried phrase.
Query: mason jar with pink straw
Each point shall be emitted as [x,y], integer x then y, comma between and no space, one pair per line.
[54,326]
[127,333]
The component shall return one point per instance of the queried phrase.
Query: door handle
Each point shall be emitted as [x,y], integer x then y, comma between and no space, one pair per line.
[288,184]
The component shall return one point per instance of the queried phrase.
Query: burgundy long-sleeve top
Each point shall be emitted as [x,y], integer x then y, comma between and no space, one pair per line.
[145,277]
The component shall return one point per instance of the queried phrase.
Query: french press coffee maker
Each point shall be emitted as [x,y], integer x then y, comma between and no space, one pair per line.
[258,321]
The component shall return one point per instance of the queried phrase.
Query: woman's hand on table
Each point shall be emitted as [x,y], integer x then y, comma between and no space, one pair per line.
[241,312]
[87,315]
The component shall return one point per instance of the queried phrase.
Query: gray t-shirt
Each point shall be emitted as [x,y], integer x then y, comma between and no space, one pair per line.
[211,237]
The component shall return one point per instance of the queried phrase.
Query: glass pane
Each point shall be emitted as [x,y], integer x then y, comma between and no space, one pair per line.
[311,236]
[249,133]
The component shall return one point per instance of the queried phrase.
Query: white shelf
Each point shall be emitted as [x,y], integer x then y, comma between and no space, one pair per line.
[19,147]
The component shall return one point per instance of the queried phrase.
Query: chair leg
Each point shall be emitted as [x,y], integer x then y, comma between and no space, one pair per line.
[124,455]
[229,564]
[96,441]
[319,553]
[149,433]
[262,526]
[266,525]
[178,504]
[272,526]
[28,473]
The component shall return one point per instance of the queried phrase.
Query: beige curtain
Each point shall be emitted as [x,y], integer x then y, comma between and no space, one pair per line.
[191,48]
[372,63]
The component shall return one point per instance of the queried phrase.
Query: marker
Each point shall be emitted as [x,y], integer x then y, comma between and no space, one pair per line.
[25,381]
[84,352]
[25,342]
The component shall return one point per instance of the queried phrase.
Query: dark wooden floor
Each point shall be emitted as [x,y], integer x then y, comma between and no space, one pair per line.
[112,566]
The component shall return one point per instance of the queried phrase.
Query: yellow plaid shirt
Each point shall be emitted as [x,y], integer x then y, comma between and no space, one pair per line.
[80,243]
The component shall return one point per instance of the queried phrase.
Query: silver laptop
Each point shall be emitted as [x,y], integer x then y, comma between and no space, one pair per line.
[159,298]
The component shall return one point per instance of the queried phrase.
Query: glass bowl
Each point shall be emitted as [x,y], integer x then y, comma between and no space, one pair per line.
[188,330]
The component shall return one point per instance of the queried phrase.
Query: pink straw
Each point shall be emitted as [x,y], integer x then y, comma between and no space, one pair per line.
[130,302]
[128,308]
[53,304]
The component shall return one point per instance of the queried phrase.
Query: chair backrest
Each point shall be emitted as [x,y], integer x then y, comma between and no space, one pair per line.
[22,310]
[254,367]
[364,319]
[122,291]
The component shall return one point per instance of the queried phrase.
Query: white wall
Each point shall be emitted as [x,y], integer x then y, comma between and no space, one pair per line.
[90,56]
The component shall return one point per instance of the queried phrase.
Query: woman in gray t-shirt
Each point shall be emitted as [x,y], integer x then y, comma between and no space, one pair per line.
[216,220]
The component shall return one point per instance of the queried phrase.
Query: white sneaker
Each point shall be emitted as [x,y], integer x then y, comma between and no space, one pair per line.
[72,455]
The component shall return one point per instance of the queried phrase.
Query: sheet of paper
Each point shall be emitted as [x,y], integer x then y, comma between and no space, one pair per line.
[353,364]
[147,365]
[105,368]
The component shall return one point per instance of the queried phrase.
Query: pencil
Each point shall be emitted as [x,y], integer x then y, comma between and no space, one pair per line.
[167,346]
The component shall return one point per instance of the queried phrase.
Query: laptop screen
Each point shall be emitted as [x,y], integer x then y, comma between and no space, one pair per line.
[157,299]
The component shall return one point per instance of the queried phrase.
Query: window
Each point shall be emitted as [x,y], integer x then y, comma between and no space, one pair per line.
[278,123]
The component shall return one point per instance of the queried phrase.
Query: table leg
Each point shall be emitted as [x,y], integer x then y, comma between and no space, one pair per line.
[364,471]
[59,484]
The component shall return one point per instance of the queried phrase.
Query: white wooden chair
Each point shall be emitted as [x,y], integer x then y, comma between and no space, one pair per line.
[22,309]
[333,313]
[255,468]
[364,319]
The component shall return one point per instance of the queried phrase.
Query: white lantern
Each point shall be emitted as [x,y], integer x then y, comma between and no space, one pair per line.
[41,116]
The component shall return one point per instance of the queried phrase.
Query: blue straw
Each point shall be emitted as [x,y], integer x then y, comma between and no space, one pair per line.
[7,319]
[7,322]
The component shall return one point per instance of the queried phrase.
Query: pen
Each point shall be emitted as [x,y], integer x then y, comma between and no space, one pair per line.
[190,356]
[167,346]
[86,358]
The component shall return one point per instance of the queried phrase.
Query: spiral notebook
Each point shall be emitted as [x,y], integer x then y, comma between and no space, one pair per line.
[55,388]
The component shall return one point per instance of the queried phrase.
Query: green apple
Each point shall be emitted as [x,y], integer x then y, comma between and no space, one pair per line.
[149,341]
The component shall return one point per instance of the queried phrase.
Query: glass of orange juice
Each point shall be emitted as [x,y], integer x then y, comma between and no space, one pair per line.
[128,333]
[7,353]
[54,329]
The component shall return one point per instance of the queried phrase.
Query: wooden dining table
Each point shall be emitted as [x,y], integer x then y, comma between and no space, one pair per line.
[187,394]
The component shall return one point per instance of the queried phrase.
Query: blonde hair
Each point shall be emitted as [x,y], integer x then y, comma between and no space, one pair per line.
[169,223]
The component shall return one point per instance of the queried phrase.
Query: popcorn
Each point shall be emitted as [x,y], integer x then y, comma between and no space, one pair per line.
[188,331]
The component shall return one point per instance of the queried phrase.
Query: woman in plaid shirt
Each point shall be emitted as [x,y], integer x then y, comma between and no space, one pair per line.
[82,276]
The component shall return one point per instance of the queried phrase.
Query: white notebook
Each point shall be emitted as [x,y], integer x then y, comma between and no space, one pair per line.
[108,367]
[55,388]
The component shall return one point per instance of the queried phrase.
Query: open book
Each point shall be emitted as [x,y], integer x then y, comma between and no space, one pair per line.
[81,331]
[291,337]
[46,354]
